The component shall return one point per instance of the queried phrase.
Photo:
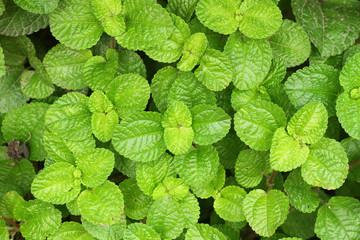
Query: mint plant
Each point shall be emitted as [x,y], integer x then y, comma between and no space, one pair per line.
[196,119]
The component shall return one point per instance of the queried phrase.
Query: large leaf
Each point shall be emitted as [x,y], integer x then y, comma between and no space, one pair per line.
[339,217]
[326,166]
[36,84]
[71,230]
[248,69]
[40,7]
[228,203]
[204,232]
[74,24]
[139,231]
[256,123]
[265,212]
[27,123]
[191,209]
[131,62]
[106,232]
[349,75]
[140,137]
[8,203]
[348,113]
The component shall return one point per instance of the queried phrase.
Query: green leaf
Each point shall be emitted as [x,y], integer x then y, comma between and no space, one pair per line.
[265,212]
[95,165]
[17,22]
[276,73]
[98,102]
[286,153]
[39,219]
[2,62]
[166,217]
[129,93]
[349,75]
[139,231]
[219,16]
[193,49]
[301,196]
[149,174]
[74,24]
[278,96]
[291,44]
[251,166]
[65,65]
[103,204]
[98,73]
[11,95]
[239,98]
[8,203]
[352,147]
[215,70]
[16,49]
[71,230]
[228,203]
[326,166]
[259,19]
[249,70]
[203,231]
[178,133]
[309,124]
[198,166]
[256,123]
[140,137]
[191,209]
[171,50]
[339,217]
[210,124]
[147,24]
[103,125]
[130,62]
[332,26]
[299,224]
[106,232]
[69,117]
[137,204]
[172,187]
[27,123]
[4,234]
[347,111]
[36,84]
[35,6]
[109,13]
[183,9]
[317,82]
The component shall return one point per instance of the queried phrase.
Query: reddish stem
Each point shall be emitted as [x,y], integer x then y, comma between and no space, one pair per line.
[270,182]
[354,164]
[11,222]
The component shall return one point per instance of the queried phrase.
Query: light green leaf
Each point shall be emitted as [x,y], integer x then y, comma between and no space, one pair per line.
[129,93]
[8,203]
[106,232]
[57,183]
[332,26]
[103,125]
[228,203]
[198,166]
[130,62]
[249,70]
[259,19]
[183,9]
[98,73]
[239,98]
[317,82]
[286,153]
[171,187]
[147,24]
[349,75]
[191,209]
[326,166]
[103,204]
[137,204]
[36,84]
[4,233]
[291,44]
[194,47]
[17,22]
[95,165]
[39,219]
[220,16]
[73,208]
[140,137]
[139,231]
[2,62]
[299,224]
[171,50]
[301,196]
[178,133]
[65,65]
[74,24]
[27,123]
[69,117]
[347,111]
[276,73]
[166,217]
[109,13]
[339,217]
[251,166]
[265,212]
[215,70]
[210,124]
[309,124]
[203,231]
[71,230]
[256,123]
[35,6]
[149,174]
[98,102]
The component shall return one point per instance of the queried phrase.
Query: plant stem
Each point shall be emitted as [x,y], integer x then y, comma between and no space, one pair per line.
[11,222]
[354,164]
[269,184]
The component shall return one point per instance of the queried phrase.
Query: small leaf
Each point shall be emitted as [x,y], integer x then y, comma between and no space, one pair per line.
[347,109]
[4,233]
[71,230]
[106,232]
[349,79]
[228,204]
[40,7]
[265,212]
[139,231]
[98,102]
[8,203]
[36,84]
[203,231]
[172,187]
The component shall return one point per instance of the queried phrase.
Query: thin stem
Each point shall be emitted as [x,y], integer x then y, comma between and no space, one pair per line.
[11,222]
[354,164]
[270,184]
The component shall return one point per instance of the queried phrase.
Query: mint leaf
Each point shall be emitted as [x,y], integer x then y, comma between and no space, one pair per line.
[191,209]
[106,232]
[349,79]
[139,231]
[4,233]
[8,203]
[228,203]
[99,103]
[172,187]
[183,9]
[130,62]
[36,84]
[276,73]
[41,7]
[351,147]
[204,231]
[72,230]
[347,112]
[239,98]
